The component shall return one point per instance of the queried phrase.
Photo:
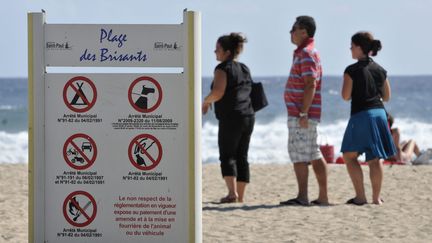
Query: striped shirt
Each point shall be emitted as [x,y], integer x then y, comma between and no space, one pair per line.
[306,63]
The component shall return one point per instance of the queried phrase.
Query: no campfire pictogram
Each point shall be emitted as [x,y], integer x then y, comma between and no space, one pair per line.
[80,151]
[79,208]
[79,94]
[145,94]
[145,152]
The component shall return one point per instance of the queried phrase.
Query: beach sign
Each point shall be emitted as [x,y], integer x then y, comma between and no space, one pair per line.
[114,156]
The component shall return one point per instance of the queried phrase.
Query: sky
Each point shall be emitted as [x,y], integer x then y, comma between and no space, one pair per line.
[402,26]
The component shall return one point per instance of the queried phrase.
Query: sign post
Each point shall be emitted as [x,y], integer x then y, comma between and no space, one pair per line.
[114,157]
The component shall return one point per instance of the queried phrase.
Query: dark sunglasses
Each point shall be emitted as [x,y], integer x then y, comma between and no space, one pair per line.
[294,28]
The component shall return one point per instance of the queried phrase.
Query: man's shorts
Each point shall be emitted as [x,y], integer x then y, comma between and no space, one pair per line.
[302,142]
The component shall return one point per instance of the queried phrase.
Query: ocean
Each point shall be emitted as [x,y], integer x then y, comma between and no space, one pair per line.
[410,105]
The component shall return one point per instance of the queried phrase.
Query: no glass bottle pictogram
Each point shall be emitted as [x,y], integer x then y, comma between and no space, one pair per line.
[145,94]
[79,208]
[79,94]
[145,152]
[80,151]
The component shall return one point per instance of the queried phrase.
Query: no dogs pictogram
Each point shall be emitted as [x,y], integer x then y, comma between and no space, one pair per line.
[79,94]
[80,151]
[145,94]
[145,152]
[79,208]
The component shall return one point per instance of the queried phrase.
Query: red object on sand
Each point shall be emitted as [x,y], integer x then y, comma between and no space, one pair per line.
[340,160]
[328,152]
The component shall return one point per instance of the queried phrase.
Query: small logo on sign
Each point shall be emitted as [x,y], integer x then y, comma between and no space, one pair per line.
[51,45]
[166,46]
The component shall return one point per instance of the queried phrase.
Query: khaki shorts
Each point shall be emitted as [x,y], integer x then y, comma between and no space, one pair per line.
[302,142]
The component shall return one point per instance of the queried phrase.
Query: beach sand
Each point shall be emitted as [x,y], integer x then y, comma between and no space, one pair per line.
[406,215]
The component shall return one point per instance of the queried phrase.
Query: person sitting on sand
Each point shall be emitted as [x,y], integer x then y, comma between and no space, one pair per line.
[405,149]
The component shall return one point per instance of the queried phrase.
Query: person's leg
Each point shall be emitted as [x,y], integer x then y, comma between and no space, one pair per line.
[228,138]
[416,150]
[241,189]
[408,149]
[231,184]
[376,174]
[356,174]
[320,168]
[297,139]
[302,172]
[243,173]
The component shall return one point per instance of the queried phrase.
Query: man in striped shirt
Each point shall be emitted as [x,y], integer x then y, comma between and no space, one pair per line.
[303,102]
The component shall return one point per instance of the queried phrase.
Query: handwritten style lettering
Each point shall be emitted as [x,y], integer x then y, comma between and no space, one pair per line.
[87,56]
[106,56]
[115,54]
[108,36]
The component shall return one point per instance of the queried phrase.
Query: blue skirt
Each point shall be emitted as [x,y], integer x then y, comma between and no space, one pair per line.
[368,132]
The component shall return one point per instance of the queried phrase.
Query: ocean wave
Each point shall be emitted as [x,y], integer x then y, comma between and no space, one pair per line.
[13,147]
[12,108]
[268,143]
[7,107]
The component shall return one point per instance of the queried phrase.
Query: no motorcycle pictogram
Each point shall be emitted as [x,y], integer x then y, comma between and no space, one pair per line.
[145,152]
[145,94]
[79,208]
[80,151]
[79,94]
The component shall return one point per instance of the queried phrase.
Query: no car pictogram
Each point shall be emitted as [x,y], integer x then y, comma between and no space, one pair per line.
[79,208]
[80,151]
[145,152]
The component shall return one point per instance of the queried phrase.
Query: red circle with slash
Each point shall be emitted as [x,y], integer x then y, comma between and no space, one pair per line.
[90,144]
[81,209]
[155,83]
[71,85]
[154,159]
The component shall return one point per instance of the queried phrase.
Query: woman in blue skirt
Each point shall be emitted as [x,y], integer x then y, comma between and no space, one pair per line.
[366,85]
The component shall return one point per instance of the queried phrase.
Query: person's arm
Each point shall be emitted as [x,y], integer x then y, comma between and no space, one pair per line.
[347,87]
[218,90]
[396,140]
[308,96]
[386,94]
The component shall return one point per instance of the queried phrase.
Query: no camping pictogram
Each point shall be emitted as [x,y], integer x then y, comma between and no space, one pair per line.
[79,208]
[145,152]
[79,94]
[80,151]
[145,94]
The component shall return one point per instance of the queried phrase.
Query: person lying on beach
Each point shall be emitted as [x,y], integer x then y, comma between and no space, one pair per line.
[405,149]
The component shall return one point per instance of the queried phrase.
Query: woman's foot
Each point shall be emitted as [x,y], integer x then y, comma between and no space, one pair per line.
[378,202]
[228,199]
[356,202]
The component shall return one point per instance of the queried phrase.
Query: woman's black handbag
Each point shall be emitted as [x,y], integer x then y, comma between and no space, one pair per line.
[258,97]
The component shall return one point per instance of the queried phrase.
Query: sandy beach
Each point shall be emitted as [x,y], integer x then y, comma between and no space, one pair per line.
[406,215]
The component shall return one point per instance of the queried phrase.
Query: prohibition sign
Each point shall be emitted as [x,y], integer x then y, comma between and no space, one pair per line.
[140,104]
[75,154]
[76,210]
[146,148]
[78,93]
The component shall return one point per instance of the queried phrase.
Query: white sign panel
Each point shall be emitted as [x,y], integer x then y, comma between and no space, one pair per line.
[116,158]
[114,45]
